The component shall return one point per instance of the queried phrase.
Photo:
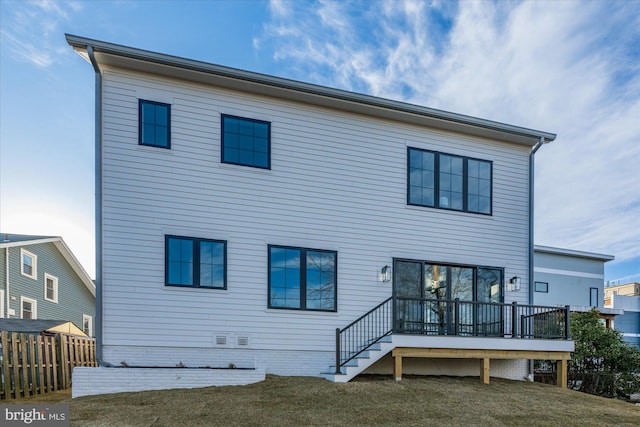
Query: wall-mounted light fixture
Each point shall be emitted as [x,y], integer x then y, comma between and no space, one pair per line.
[514,283]
[385,274]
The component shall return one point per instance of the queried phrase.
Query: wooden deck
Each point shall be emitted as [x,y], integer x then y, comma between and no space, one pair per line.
[484,356]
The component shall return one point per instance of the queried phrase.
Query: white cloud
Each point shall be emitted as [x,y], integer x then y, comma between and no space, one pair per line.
[567,67]
[30,29]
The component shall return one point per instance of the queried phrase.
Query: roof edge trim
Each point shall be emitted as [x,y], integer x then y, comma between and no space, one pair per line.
[78,42]
[572,252]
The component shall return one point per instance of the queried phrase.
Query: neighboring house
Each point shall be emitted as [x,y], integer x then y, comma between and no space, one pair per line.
[570,277]
[242,219]
[626,297]
[40,278]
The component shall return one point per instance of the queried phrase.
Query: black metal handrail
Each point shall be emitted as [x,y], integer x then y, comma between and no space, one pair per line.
[363,332]
[475,318]
[427,316]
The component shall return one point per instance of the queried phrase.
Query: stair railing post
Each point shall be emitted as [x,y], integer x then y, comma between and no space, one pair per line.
[456,310]
[514,319]
[338,351]
[567,322]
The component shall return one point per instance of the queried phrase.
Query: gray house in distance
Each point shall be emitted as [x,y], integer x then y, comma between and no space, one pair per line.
[570,277]
[40,278]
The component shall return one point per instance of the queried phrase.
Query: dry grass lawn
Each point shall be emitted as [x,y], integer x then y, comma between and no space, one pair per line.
[366,401]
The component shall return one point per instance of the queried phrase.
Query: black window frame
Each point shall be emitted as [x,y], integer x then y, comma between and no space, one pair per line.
[196,262]
[141,102]
[303,279]
[597,295]
[537,286]
[222,141]
[436,182]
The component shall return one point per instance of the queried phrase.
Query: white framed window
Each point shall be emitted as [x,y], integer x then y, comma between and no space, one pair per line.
[28,308]
[87,324]
[28,264]
[50,288]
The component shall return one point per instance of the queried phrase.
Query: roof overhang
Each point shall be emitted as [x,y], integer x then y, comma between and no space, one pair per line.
[573,253]
[118,56]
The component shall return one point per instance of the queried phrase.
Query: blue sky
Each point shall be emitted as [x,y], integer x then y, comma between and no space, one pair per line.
[567,67]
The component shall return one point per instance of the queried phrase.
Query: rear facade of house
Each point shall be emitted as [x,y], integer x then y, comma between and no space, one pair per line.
[244,218]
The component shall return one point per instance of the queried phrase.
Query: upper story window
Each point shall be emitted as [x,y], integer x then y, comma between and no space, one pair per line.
[446,181]
[246,142]
[28,264]
[302,278]
[154,124]
[198,263]
[50,288]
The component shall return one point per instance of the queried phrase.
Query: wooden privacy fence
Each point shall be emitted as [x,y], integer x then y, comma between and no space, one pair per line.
[36,364]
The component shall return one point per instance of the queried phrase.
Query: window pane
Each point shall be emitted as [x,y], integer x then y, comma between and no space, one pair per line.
[161,136]
[479,186]
[421,177]
[407,279]
[27,265]
[180,261]
[321,267]
[435,290]
[473,203]
[484,205]
[456,201]
[161,115]
[231,155]
[50,289]
[451,169]
[212,264]
[261,130]
[148,134]
[427,196]
[284,275]
[489,289]
[484,170]
[148,113]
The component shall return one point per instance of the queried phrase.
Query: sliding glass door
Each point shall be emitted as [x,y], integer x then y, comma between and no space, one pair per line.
[425,296]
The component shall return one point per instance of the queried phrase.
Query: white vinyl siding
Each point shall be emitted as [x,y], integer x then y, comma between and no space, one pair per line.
[337,181]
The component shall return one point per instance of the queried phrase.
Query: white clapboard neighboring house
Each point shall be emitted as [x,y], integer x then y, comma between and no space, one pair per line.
[257,222]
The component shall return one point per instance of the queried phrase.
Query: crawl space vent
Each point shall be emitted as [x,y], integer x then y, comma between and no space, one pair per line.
[221,340]
[243,340]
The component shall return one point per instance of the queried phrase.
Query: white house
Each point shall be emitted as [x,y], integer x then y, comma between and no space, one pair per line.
[243,219]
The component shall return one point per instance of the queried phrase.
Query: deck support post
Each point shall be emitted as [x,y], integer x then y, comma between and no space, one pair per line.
[561,371]
[485,369]
[397,367]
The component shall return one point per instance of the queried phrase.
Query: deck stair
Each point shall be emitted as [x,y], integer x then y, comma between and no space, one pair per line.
[361,362]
